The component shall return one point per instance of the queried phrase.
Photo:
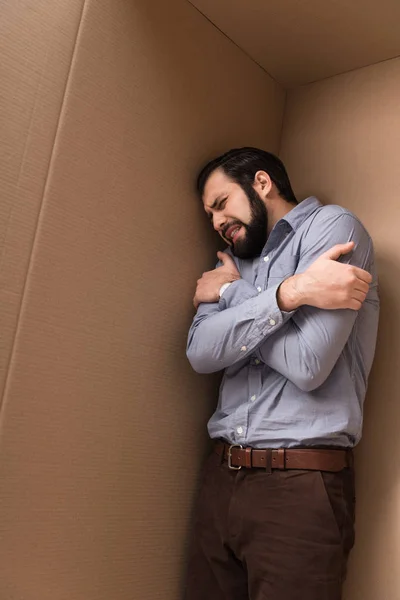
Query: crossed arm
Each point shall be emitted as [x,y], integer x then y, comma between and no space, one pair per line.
[290,327]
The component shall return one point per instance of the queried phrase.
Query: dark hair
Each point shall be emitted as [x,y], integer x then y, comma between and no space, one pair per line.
[242,164]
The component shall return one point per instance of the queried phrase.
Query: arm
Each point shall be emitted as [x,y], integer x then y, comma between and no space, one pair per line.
[306,349]
[230,330]
[219,338]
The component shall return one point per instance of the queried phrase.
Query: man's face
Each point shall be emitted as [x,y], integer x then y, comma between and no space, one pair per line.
[240,218]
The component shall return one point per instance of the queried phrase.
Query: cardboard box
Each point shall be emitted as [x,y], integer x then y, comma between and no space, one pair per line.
[107,110]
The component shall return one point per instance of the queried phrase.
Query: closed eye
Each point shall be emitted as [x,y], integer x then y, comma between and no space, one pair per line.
[216,206]
[221,204]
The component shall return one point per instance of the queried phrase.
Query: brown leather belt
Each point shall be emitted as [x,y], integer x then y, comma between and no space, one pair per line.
[310,459]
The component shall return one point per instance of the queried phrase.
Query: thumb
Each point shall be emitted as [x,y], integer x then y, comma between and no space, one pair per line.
[226,260]
[336,251]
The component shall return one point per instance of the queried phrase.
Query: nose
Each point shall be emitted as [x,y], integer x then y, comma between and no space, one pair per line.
[218,222]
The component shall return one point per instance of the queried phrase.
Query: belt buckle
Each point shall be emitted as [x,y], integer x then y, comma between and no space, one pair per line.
[230,465]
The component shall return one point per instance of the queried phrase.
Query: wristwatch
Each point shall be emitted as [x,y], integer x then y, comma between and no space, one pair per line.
[223,288]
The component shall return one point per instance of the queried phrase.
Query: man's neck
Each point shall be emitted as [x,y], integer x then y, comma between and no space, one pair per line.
[277,209]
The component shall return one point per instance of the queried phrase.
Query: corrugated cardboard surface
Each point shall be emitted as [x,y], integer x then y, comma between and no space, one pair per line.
[300,42]
[36,46]
[341,141]
[108,107]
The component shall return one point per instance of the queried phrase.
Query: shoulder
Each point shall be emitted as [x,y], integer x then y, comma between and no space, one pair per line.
[333,217]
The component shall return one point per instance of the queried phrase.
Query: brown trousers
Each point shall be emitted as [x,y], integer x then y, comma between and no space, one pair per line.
[279,536]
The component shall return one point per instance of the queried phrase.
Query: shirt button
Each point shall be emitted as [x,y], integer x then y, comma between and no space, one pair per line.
[243,349]
[272,322]
[259,289]
[266,258]
[239,430]
[252,398]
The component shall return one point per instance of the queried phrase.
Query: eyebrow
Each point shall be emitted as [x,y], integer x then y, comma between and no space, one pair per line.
[217,200]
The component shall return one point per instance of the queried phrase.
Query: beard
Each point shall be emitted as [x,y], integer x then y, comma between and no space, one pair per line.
[256,231]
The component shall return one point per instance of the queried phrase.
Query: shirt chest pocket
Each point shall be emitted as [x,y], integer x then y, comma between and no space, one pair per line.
[283,268]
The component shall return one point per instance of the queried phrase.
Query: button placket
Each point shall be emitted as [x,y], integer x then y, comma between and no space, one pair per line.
[240,423]
[263,272]
[254,385]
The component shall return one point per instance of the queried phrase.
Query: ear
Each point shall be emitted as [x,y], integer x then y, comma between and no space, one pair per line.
[262,183]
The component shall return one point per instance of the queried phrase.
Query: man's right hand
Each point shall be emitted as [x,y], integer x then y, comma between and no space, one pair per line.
[326,284]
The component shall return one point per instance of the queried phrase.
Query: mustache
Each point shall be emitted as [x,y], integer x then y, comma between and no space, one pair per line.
[231,224]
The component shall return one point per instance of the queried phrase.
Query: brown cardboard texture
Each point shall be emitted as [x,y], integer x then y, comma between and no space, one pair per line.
[301,42]
[107,110]
[103,421]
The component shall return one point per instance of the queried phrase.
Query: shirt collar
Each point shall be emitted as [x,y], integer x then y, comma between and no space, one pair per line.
[296,217]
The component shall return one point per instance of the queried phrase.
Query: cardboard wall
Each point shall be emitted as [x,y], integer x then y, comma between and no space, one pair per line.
[341,141]
[108,108]
[302,42]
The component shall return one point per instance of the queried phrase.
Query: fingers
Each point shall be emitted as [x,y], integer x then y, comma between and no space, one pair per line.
[226,259]
[355,305]
[361,286]
[362,275]
[359,297]
[336,251]
[339,250]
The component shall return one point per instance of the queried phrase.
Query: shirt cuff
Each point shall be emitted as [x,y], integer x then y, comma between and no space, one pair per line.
[239,291]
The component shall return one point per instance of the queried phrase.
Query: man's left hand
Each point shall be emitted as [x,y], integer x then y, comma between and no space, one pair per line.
[210,283]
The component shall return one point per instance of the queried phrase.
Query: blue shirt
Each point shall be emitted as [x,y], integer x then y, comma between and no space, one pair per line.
[290,379]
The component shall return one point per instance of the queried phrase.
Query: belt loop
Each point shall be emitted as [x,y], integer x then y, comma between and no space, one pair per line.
[247,458]
[281,462]
[268,461]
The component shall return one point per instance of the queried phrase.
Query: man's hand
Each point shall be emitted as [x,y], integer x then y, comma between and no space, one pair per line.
[210,283]
[327,284]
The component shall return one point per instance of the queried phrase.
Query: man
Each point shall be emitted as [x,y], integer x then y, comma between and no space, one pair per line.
[290,315]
